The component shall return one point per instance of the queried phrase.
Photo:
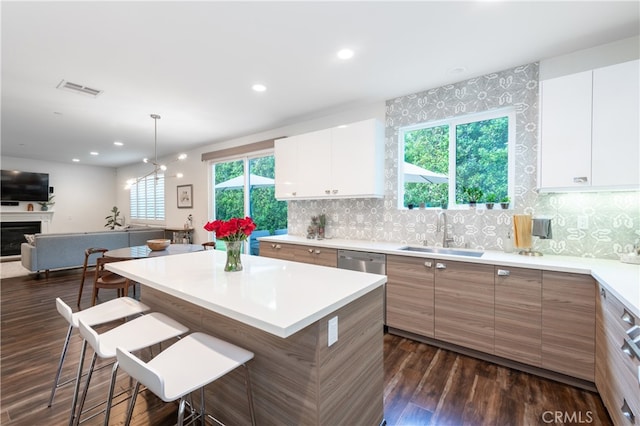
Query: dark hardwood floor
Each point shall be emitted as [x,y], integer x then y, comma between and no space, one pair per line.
[424,385]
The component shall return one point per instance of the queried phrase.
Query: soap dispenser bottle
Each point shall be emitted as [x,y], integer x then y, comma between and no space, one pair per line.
[508,243]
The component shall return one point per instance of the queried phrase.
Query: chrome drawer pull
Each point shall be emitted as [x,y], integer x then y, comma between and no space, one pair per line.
[428,264]
[317,251]
[634,333]
[628,318]
[326,191]
[580,179]
[626,411]
[503,273]
[631,349]
[441,266]
[310,250]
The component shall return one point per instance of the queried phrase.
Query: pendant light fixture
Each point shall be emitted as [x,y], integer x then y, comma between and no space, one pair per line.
[157,167]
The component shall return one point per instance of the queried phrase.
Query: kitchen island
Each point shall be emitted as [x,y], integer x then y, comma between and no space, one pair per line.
[279,310]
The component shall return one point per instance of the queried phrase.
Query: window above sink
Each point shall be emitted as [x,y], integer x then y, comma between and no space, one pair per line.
[442,158]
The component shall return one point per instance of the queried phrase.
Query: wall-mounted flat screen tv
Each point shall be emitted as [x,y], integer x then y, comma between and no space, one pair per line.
[24,186]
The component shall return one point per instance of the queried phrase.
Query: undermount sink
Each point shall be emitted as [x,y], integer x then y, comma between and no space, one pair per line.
[440,250]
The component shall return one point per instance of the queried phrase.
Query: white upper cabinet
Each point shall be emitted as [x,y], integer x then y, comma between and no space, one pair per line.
[616,139]
[565,131]
[341,162]
[589,130]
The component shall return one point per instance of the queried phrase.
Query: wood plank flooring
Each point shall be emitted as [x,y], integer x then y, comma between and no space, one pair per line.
[424,385]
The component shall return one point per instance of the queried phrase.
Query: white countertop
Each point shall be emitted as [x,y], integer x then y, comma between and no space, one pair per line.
[622,279]
[276,296]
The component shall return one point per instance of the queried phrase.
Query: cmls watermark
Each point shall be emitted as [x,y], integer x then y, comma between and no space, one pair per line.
[567,417]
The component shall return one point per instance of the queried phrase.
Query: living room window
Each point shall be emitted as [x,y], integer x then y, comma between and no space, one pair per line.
[146,198]
[446,159]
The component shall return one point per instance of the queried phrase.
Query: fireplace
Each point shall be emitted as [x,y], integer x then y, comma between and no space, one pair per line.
[12,236]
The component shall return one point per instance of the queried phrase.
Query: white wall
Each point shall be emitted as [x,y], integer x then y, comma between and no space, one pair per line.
[587,59]
[196,172]
[84,195]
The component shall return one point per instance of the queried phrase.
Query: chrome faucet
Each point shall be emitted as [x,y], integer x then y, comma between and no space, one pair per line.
[444,227]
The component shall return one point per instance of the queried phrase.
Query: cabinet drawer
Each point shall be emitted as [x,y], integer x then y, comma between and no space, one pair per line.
[623,375]
[316,255]
[618,314]
[277,250]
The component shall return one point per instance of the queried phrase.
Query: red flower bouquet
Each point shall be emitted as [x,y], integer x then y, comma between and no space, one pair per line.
[234,229]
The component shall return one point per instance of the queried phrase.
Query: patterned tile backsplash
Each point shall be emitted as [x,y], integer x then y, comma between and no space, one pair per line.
[611,219]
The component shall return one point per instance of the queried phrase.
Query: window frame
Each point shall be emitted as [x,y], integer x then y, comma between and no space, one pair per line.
[158,199]
[453,122]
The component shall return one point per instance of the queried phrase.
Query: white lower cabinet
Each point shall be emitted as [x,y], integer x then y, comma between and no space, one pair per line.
[341,162]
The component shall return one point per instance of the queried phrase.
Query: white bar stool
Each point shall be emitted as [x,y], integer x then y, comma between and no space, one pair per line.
[139,333]
[189,364]
[112,310]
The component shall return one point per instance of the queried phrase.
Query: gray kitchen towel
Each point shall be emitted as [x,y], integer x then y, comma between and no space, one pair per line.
[541,228]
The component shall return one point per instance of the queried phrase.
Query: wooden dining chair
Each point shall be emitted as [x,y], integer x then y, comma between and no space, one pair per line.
[209,245]
[108,279]
[86,268]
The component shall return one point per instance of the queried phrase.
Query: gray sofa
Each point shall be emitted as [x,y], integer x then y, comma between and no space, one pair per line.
[57,251]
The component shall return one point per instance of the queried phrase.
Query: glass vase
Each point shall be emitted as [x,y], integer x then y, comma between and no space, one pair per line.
[234,262]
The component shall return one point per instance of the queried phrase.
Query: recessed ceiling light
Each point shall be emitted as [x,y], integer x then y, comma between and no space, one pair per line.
[94,153]
[75,160]
[116,143]
[259,87]
[457,70]
[345,54]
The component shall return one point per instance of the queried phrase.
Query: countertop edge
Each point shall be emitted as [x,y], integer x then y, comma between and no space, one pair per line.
[606,272]
[283,331]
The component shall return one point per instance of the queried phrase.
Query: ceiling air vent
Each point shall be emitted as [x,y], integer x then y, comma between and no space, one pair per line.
[78,88]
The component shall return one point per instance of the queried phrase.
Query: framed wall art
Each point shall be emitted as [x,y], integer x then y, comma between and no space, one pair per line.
[185,196]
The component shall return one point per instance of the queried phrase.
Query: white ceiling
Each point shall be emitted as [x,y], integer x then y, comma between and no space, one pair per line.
[194,63]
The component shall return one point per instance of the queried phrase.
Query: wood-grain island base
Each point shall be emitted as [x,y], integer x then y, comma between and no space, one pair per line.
[298,380]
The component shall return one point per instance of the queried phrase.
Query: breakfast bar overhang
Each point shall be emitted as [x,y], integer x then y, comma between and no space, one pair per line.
[279,310]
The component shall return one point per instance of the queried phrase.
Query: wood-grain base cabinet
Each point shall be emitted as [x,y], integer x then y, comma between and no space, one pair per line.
[518,314]
[300,253]
[617,362]
[464,304]
[568,324]
[410,294]
[278,250]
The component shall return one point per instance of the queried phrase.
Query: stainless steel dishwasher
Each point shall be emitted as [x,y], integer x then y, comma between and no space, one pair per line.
[374,263]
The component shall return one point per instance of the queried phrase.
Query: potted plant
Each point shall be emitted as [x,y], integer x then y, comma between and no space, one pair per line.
[490,200]
[114,220]
[472,194]
[44,205]
[504,202]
